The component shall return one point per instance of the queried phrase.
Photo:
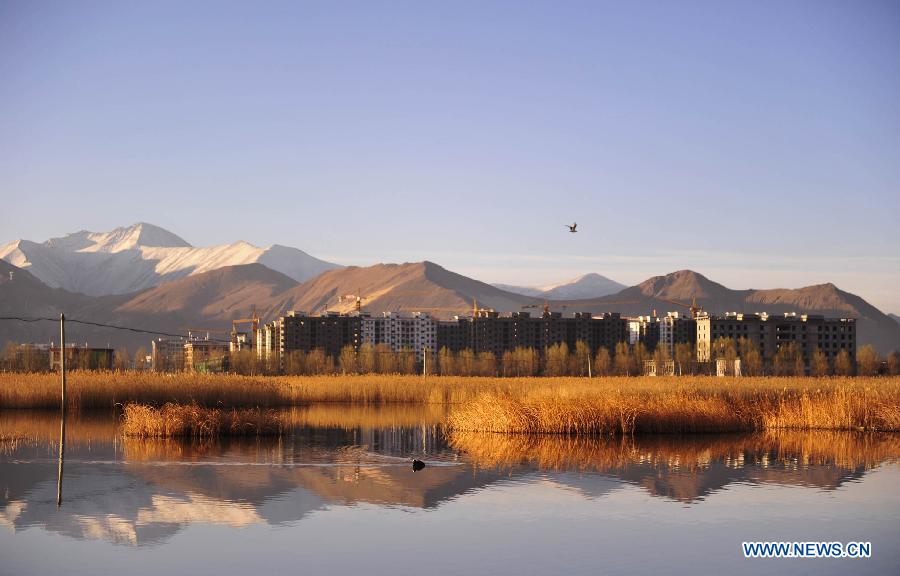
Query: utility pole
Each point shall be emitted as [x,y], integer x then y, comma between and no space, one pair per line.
[589,366]
[62,425]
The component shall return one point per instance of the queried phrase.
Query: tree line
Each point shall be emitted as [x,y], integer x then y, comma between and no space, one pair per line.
[556,360]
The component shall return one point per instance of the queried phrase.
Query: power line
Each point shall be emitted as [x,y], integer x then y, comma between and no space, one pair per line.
[102,325]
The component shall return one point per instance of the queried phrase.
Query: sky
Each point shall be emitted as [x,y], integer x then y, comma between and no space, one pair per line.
[757,143]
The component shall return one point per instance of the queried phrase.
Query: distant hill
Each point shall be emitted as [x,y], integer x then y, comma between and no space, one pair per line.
[587,286]
[141,256]
[211,299]
[894,316]
[673,292]
[419,286]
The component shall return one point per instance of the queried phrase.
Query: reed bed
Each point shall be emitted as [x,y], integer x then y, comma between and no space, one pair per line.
[92,390]
[563,405]
[689,406]
[174,420]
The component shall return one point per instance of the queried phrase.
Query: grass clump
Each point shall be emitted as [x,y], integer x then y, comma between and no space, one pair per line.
[174,420]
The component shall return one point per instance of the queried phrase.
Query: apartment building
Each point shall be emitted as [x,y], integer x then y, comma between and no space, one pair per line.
[82,358]
[770,332]
[205,355]
[488,331]
[329,332]
[167,355]
[644,329]
[267,341]
[675,328]
[417,331]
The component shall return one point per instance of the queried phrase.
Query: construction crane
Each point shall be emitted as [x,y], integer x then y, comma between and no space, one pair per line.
[695,310]
[356,298]
[208,331]
[545,306]
[476,311]
[254,327]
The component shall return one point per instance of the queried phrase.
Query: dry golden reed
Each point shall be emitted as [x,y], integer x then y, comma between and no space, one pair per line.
[88,390]
[196,421]
[690,405]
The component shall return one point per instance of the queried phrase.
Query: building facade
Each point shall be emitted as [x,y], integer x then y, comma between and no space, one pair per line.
[675,328]
[769,333]
[167,355]
[82,358]
[417,331]
[328,333]
[206,356]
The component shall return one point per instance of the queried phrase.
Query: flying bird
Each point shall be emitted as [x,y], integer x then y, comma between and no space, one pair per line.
[573,227]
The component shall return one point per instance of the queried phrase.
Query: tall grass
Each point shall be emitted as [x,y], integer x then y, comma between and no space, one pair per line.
[563,405]
[689,406]
[174,420]
[86,389]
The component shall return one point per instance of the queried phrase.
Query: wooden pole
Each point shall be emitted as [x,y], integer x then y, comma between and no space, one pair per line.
[62,419]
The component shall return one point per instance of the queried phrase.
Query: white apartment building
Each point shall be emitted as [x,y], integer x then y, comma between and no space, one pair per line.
[417,331]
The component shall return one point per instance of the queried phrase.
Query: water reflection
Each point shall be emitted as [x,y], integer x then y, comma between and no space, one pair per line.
[141,492]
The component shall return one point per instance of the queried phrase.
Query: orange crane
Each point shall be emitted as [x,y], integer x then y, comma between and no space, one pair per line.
[254,327]
[695,310]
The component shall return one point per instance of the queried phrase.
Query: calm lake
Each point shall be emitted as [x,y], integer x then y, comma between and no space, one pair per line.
[339,496]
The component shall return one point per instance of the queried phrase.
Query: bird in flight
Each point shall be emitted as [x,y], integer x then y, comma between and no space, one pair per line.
[573,227]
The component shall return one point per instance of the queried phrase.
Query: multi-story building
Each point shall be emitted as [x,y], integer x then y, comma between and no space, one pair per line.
[608,330]
[329,332]
[455,335]
[675,328]
[82,358]
[167,355]
[417,331]
[267,341]
[770,332]
[488,331]
[644,329]
[241,341]
[205,355]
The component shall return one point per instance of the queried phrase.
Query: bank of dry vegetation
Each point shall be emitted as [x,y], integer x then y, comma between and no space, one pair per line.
[559,405]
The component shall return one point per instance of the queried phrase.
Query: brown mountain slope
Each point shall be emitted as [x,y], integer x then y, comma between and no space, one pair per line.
[220,295]
[23,295]
[658,294]
[419,286]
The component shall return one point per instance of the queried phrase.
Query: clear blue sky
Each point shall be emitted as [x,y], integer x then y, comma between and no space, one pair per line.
[757,142]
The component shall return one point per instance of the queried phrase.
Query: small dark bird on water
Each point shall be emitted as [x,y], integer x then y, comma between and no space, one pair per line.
[418,465]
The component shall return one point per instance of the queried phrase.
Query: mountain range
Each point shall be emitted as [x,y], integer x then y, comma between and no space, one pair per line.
[591,285]
[140,256]
[212,298]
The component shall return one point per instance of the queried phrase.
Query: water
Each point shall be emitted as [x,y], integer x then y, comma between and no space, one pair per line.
[339,496]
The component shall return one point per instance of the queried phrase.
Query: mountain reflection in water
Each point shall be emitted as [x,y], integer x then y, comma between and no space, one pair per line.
[138,492]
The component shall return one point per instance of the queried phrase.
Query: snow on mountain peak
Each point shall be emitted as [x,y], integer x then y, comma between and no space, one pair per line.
[133,237]
[124,238]
[142,255]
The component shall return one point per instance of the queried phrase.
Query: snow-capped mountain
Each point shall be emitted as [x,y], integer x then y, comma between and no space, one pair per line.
[141,256]
[587,286]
